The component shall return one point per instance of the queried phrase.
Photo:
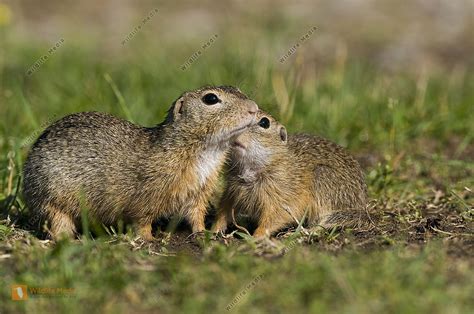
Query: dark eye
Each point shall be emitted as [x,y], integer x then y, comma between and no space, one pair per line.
[264,123]
[210,99]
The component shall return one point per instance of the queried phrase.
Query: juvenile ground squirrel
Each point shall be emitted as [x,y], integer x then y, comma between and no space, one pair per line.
[119,170]
[272,175]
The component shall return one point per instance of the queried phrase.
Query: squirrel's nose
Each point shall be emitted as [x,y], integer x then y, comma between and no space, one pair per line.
[252,107]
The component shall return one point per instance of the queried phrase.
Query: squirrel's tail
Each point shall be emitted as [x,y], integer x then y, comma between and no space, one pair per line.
[354,219]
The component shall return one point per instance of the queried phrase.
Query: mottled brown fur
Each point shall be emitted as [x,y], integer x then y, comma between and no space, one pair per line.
[272,175]
[119,170]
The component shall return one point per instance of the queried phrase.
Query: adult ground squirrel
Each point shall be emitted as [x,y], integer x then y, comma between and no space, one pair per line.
[275,178]
[119,170]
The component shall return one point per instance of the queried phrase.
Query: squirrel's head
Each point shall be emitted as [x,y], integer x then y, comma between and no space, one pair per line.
[215,114]
[260,141]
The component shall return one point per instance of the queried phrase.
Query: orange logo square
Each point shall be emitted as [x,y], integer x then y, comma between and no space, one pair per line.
[19,292]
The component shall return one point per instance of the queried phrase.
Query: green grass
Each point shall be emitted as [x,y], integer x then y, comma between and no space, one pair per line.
[413,132]
[110,277]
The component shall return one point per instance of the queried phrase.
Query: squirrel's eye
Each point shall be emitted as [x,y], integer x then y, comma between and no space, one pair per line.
[210,99]
[264,123]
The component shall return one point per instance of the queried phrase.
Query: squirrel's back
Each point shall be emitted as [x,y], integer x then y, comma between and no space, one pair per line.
[89,151]
[337,176]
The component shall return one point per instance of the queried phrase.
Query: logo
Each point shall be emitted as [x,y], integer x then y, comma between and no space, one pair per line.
[19,293]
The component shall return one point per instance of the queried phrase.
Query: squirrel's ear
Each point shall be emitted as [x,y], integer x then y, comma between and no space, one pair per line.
[283,134]
[178,109]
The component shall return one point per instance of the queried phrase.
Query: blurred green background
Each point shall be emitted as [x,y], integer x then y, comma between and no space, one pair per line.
[373,74]
[393,82]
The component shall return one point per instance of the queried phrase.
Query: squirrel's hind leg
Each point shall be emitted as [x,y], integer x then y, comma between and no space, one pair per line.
[61,224]
[269,224]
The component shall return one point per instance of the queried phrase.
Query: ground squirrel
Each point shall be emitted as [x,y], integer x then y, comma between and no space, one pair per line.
[272,175]
[119,170]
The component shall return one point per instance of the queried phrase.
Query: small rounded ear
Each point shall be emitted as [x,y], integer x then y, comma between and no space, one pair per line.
[177,109]
[283,134]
